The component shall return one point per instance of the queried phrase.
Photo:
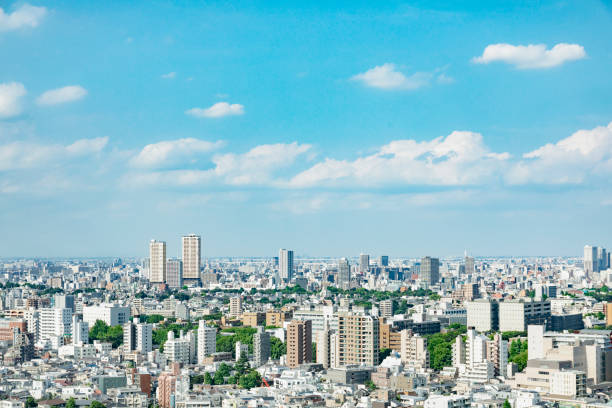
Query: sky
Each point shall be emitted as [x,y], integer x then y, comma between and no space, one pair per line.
[331,128]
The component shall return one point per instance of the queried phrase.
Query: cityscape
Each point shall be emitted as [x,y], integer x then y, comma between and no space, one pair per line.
[339,204]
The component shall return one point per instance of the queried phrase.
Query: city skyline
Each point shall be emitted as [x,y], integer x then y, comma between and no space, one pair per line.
[338,128]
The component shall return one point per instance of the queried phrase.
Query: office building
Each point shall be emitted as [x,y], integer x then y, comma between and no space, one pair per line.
[192,257]
[519,313]
[109,313]
[235,306]
[386,308]
[430,271]
[483,314]
[207,340]
[157,261]
[364,263]
[383,261]
[174,273]
[54,323]
[64,302]
[285,260]
[299,343]
[358,339]
[469,265]
[344,274]
[261,347]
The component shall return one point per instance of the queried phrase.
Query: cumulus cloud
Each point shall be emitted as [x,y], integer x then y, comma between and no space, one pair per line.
[23,155]
[10,99]
[23,17]
[584,154]
[169,75]
[460,158]
[218,110]
[532,56]
[170,152]
[62,95]
[387,77]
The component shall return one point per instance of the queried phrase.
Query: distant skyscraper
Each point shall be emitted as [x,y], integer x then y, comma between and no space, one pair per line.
[469,265]
[344,274]
[602,258]
[174,273]
[591,260]
[192,257]
[384,260]
[299,343]
[285,260]
[430,270]
[364,263]
[157,261]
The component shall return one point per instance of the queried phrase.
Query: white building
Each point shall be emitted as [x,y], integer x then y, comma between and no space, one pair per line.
[109,313]
[157,261]
[451,401]
[192,257]
[207,341]
[54,323]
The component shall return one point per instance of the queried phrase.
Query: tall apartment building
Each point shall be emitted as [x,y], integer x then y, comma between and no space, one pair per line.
[414,351]
[324,349]
[430,271]
[299,343]
[285,263]
[174,273]
[235,309]
[344,274]
[497,353]
[157,261]
[469,265]
[192,257]
[64,302]
[483,314]
[364,263]
[358,340]
[80,331]
[181,350]
[137,337]
[517,314]
[261,347]
[386,308]
[54,323]
[207,340]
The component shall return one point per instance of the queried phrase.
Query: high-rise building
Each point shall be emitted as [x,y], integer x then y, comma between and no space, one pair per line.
[64,302]
[174,273]
[181,350]
[207,338]
[344,274]
[364,263]
[299,343]
[54,323]
[430,271]
[469,265]
[235,306]
[157,261]
[497,353]
[137,336]
[358,340]
[192,257]
[324,349]
[80,331]
[383,260]
[517,314]
[285,261]
[261,347]
[602,259]
[591,260]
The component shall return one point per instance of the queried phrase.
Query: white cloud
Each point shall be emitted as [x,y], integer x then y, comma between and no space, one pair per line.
[387,77]
[24,16]
[171,151]
[586,153]
[218,110]
[10,99]
[531,56]
[169,75]
[23,155]
[461,158]
[62,95]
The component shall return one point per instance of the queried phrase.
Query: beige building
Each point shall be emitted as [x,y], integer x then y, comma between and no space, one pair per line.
[276,318]
[192,257]
[235,306]
[414,351]
[299,343]
[552,377]
[517,314]
[358,340]
[157,261]
[253,319]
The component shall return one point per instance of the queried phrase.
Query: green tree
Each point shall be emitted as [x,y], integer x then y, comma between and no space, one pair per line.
[71,403]
[384,353]
[208,379]
[103,332]
[96,404]
[277,348]
[31,402]
[250,380]
[442,356]
[507,404]
[370,384]
[521,360]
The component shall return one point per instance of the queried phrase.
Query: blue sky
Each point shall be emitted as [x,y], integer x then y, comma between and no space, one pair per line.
[333,128]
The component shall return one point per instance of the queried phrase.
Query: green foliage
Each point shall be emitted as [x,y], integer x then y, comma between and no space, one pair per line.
[506,404]
[518,353]
[103,332]
[196,379]
[384,353]
[277,348]
[370,384]
[435,296]
[512,334]
[160,335]
[96,404]
[208,379]
[401,307]
[440,347]
[71,403]
[30,402]
[214,316]
[250,380]
[242,334]
[155,318]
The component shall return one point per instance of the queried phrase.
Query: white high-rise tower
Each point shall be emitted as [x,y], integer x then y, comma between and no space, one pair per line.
[285,262]
[157,261]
